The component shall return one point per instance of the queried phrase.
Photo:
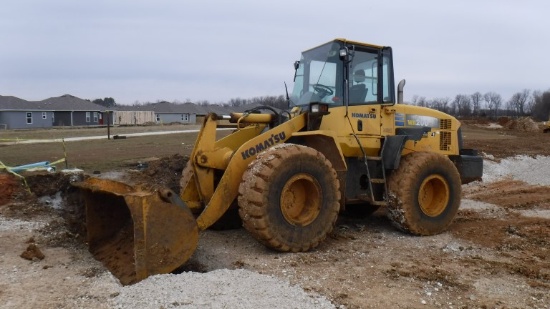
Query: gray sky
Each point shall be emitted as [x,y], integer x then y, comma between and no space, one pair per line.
[137,50]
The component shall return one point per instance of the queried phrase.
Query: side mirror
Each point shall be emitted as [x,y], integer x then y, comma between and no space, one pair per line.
[296,66]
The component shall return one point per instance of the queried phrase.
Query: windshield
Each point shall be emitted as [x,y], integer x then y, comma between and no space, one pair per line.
[316,76]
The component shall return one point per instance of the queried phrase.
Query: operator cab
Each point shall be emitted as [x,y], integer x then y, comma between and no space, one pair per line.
[342,73]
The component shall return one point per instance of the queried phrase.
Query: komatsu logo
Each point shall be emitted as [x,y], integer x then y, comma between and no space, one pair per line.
[274,139]
[362,115]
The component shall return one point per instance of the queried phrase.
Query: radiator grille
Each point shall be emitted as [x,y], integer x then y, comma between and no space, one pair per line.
[445,124]
[445,141]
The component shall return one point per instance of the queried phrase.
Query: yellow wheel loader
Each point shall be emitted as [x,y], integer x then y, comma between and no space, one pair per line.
[345,141]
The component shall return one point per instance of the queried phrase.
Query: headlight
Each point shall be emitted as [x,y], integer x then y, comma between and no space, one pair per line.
[316,108]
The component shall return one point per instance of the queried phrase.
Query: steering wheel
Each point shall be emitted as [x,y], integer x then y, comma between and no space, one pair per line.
[323,90]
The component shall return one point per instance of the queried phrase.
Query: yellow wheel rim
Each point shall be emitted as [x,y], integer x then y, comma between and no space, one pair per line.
[433,195]
[301,200]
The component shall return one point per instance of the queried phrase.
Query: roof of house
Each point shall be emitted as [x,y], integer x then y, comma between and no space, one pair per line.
[62,103]
[13,103]
[69,103]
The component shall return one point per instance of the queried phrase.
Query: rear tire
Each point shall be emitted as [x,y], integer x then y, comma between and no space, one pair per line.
[424,193]
[289,198]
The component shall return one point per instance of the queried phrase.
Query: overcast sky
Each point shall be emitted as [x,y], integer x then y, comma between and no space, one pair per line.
[136,50]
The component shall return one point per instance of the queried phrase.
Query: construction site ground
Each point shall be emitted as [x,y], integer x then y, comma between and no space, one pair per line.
[496,254]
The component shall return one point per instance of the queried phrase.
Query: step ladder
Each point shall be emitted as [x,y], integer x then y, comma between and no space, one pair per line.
[375,180]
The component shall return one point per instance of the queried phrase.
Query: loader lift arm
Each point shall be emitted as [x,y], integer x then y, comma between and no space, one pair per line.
[232,154]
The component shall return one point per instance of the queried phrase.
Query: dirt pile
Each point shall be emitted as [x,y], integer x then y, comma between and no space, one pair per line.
[33,185]
[8,186]
[40,194]
[525,124]
[32,253]
[162,173]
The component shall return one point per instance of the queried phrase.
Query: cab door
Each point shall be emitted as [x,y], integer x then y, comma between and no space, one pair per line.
[365,119]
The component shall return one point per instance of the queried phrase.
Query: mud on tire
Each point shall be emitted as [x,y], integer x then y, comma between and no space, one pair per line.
[289,198]
[424,193]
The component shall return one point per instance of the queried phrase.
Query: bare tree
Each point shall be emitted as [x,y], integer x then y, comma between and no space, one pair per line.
[541,105]
[494,101]
[510,109]
[477,99]
[418,101]
[536,95]
[236,102]
[203,103]
[518,101]
[462,105]
[441,104]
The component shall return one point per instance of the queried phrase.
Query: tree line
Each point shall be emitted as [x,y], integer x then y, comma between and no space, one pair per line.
[491,104]
[523,103]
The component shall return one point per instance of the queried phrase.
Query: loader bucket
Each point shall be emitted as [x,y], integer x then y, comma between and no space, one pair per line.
[135,233]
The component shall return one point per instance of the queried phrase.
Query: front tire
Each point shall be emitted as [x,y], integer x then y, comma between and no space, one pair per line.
[424,193]
[289,198]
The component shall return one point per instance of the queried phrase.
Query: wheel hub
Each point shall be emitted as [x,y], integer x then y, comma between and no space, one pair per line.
[433,195]
[301,199]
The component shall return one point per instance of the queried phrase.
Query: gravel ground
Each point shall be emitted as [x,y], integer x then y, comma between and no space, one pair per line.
[532,170]
[221,288]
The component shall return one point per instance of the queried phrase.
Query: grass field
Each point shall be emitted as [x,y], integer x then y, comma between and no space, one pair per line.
[100,154]
[64,132]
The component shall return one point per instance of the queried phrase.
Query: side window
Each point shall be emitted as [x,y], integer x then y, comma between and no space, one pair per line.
[95,116]
[44,115]
[364,82]
[87,116]
[364,77]
[29,118]
[375,80]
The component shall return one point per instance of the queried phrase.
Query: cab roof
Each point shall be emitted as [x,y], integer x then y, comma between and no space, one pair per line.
[351,42]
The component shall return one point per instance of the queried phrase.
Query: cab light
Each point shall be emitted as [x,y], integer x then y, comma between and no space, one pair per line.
[316,108]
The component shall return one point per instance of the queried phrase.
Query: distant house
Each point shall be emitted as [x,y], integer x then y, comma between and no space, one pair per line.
[65,110]
[73,111]
[166,112]
[17,113]
[176,113]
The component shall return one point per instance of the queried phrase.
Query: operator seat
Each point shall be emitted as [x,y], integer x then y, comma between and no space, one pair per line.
[358,92]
